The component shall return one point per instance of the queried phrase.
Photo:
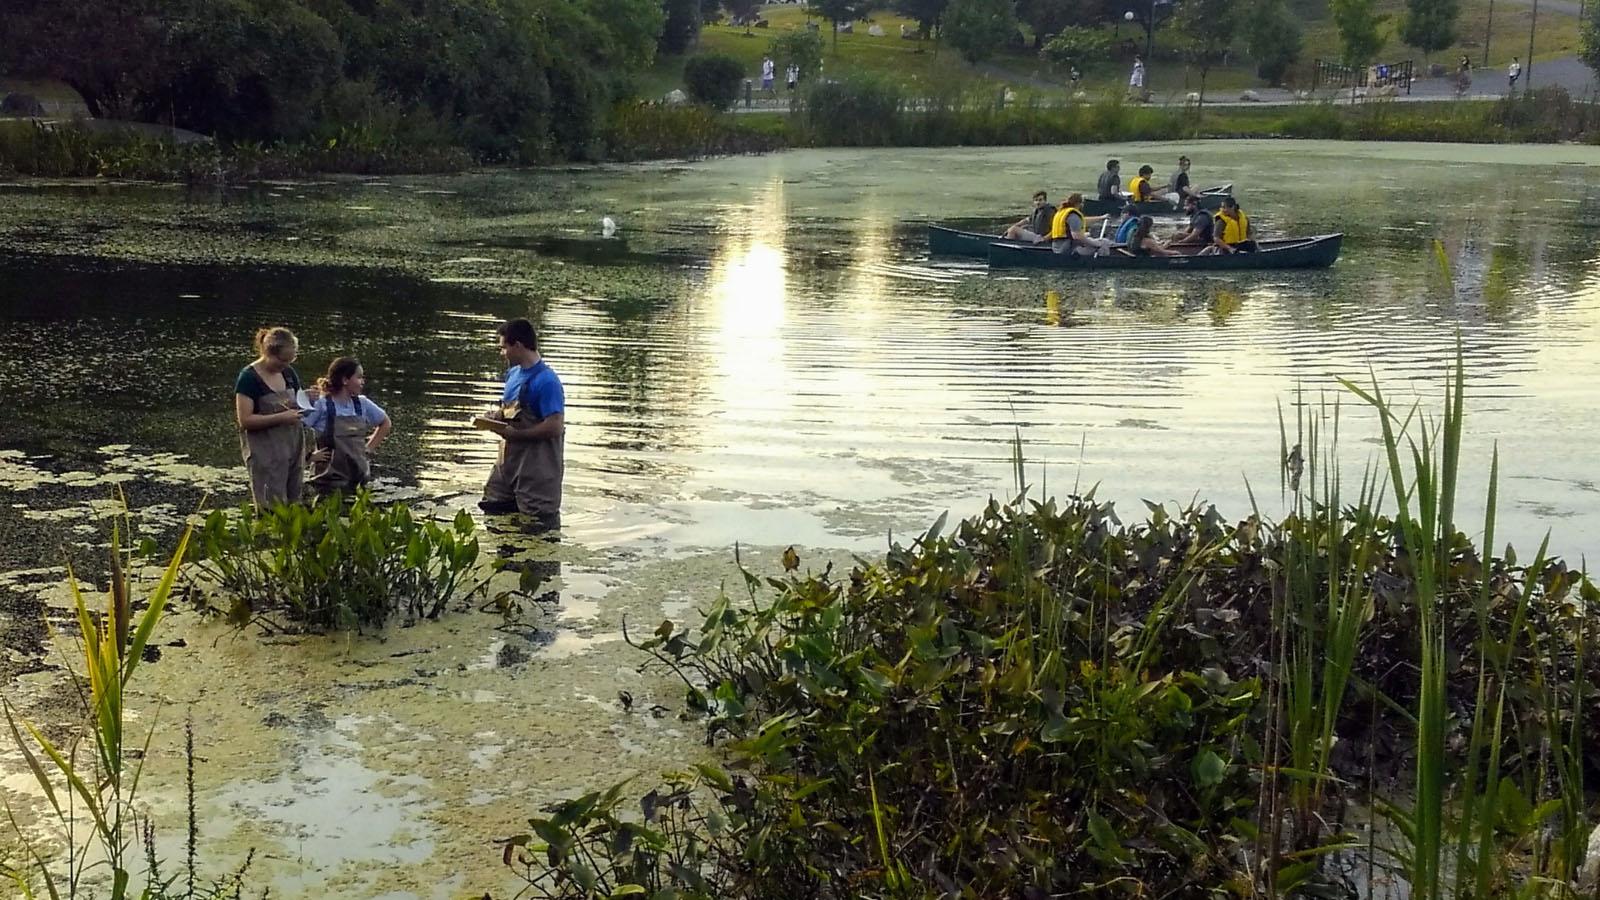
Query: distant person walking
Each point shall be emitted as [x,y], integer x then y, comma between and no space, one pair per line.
[792,76]
[1512,74]
[1136,79]
[768,72]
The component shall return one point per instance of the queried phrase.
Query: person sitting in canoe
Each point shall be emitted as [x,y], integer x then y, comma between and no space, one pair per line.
[1110,185]
[1128,225]
[1139,189]
[1144,243]
[1177,188]
[1233,228]
[1068,230]
[1202,229]
[1036,227]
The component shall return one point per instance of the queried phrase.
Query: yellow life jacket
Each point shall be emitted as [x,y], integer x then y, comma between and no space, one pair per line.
[1058,225]
[1234,231]
[1139,189]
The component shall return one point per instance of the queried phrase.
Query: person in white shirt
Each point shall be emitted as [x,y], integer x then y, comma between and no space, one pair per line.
[1513,73]
[793,76]
[1136,79]
[767,72]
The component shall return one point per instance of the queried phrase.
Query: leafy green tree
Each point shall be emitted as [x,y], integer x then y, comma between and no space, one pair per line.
[1360,30]
[802,47]
[978,28]
[838,12]
[742,11]
[1273,39]
[108,52]
[680,27]
[1046,18]
[928,14]
[713,79]
[1077,46]
[1205,30]
[1590,51]
[1430,25]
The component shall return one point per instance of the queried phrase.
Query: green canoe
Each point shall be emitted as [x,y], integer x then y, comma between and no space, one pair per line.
[1318,252]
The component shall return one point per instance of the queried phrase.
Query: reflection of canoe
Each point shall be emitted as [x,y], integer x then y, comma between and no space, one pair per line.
[1210,198]
[1317,252]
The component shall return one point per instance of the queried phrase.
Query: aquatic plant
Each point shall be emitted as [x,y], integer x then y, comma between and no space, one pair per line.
[99,788]
[1047,701]
[335,564]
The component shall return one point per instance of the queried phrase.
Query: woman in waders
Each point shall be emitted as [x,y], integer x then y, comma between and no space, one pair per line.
[271,436]
[348,426]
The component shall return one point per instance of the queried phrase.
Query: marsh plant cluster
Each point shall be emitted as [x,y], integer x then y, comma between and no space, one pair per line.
[1047,702]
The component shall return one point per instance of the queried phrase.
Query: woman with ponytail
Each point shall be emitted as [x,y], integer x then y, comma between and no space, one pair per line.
[349,427]
[270,434]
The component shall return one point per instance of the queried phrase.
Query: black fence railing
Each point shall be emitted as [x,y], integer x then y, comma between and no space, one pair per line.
[1332,74]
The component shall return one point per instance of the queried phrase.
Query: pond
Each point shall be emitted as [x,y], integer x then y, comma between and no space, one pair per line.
[765,357]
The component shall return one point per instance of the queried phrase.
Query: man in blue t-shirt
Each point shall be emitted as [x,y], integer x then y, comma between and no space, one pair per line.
[527,477]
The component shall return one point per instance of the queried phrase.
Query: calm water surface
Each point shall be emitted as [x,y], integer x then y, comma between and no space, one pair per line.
[770,358]
[774,358]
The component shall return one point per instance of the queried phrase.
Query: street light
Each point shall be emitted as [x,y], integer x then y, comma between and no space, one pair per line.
[1149,27]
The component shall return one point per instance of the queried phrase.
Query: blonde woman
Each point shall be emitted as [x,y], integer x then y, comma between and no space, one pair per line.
[271,436]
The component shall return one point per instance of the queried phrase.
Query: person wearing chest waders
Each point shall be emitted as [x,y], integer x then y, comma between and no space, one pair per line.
[271,435]
[531,423]
[349,427]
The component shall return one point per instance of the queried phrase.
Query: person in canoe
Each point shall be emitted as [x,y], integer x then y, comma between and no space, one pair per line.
[1139,189]
[1036,227]
[1145,243]
[1110,185]
[1232,231]
[1177,188]
[1128,225]
[1202,229]
[1069,230]
[349,428]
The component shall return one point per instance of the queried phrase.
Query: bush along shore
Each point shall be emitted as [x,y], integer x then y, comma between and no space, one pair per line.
[1046,702]
[862,112]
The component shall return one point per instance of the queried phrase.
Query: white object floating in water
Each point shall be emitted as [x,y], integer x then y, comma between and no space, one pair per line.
[608,226]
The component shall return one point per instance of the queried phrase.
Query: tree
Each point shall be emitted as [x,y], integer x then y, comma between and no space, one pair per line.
[681,28]
[1360,31]
[977,28]
[1430,25]
[1046,18]
[1074,47]
[1273,39]
[742,11]
[838,12]
[1590,51]
[713,79]
[1205,31]
[802,47]
[928,14]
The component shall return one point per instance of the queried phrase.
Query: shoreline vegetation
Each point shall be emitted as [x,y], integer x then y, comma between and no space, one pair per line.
[1039,701]
[859,112]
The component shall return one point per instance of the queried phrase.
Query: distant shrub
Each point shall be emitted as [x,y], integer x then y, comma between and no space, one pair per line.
[856,112]
[638,131]
[713,80]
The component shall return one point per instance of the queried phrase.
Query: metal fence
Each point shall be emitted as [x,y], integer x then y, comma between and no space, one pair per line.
[1331,74]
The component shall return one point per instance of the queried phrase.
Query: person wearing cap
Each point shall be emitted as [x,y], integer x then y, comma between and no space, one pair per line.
[1036,227]
[1177,187]
[1129,224]
[1110,185]
[1139,189]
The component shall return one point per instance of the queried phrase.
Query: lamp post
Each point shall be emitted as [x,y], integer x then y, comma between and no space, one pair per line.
[1149,29]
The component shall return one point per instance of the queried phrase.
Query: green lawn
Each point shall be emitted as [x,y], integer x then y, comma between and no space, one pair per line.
[925,63]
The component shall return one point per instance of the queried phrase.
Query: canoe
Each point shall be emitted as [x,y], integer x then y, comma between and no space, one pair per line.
[946,241]
[1317,252]
[1210,198]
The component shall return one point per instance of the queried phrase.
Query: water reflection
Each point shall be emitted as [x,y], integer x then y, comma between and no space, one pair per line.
[775,358]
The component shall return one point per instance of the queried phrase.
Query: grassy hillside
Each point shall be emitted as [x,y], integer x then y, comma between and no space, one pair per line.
[926,63]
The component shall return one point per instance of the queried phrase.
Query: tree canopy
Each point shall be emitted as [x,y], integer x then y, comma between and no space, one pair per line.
[978,28]
[513,79]
[1360,30]
[1430,25]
